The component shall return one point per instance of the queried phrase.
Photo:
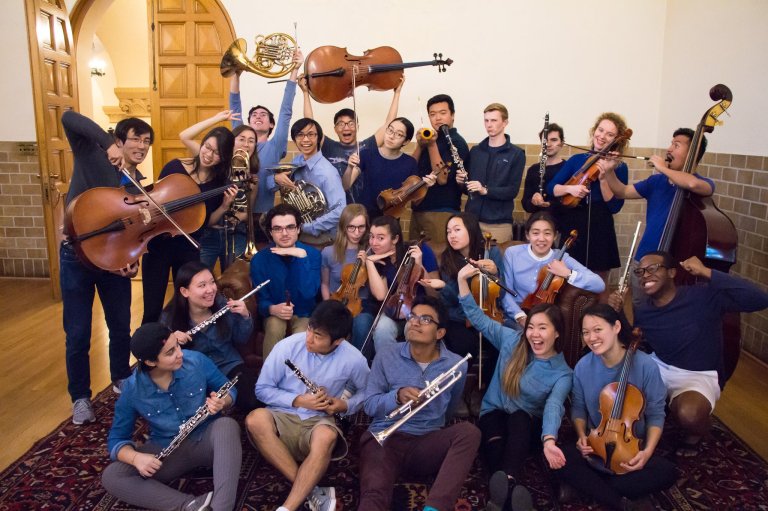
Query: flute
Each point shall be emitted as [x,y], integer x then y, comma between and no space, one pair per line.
[219,313]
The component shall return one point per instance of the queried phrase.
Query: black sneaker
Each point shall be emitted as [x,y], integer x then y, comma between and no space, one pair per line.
[498,489]
[521,499]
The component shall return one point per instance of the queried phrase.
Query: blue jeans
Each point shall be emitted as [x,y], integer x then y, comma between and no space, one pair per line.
[213,245]
[385,333]
[78,286]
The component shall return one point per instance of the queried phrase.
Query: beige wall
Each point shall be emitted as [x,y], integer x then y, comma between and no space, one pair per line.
[18,115]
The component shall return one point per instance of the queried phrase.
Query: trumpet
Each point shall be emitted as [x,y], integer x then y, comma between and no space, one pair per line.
[426,134]
[434,388]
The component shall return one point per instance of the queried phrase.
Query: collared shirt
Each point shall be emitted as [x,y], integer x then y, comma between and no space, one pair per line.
[343,368]
[165,410]
[394,368]
[545,383]
[319,171]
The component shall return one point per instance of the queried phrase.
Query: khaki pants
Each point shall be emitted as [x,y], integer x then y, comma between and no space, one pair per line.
[431,222]
[502,233]
[275,328]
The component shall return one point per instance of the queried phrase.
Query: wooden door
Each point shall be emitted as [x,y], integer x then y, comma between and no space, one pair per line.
[52,59]
[188,38]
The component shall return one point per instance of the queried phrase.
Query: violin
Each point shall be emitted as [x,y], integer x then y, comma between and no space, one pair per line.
[589,172]
[485,291]
[398,304]
[110,228]
[547,283]
[621,404]
[353,277]
[332,73]
[393,202]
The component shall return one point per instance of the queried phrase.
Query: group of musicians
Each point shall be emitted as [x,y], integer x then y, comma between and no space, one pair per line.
[377,325]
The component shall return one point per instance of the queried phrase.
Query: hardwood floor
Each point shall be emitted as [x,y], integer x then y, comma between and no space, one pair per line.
[33,382]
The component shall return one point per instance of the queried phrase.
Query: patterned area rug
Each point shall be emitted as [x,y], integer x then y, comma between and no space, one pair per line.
[62,471]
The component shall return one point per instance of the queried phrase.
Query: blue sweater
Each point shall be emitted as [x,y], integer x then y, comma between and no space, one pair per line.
[545,383]
[299,276]
[394,368]
[591,375]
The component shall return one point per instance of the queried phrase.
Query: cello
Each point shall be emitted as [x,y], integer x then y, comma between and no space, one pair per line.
[695,226]
[332,73]
[621,405]
[589,172]
[547,283]
[110,228]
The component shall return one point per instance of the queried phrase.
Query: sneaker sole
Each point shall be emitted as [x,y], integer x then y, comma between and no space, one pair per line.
[80,423]
[521,499]
[498,490]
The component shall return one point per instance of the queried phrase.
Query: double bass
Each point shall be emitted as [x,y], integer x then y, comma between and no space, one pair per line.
[695,226]
[621,405]
[547,283]
[333,73]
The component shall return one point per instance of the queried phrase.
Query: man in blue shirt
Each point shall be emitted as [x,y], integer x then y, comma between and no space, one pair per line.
[313,168]
[296,432]
[422,445]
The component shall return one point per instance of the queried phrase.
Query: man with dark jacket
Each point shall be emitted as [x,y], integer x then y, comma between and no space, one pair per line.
[495,172]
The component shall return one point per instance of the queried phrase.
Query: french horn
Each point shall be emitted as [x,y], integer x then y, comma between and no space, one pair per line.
[273,57]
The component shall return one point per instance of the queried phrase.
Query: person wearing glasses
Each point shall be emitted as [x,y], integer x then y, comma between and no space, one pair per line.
[351,237]
[683,325]
[345,126]
[293,270]
[495,171]
[312,167]
[296,431]
[382,166]
[659,190]
[423,445]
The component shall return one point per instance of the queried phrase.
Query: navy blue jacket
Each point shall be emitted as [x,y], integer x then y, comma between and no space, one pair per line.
[502,176]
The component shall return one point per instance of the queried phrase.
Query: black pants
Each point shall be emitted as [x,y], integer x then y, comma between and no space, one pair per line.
[658,474]
[508,439]
[164,254]
[462,339]
[246,387]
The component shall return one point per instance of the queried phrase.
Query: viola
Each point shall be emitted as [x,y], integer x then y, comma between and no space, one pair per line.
[353,278]
[695,226]
[621,404]
[548,284]
[110,228]
[589,172]
[332,73]
[400,302]
[393,202]
[485,291]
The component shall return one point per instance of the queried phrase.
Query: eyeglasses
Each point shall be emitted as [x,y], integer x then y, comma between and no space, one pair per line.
[311,135]
[342,124]
[211,149]
[651,269]
[394,133]
[290,229]
[140,141]
[353,228]
[423,320]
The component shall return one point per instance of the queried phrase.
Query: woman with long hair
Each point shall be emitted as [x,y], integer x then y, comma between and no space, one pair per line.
[351,237]
[522,264]
[209,170]
[603,333]
[523,406]
[166,389]
[596,247]
[196,299]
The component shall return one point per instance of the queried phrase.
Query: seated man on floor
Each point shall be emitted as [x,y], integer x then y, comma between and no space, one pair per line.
[297,432]
[684,326]
[422,446]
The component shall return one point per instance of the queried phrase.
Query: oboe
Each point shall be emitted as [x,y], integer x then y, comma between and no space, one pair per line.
[543,161]
[455,155]
[219,313]
[314,389]
[198,418]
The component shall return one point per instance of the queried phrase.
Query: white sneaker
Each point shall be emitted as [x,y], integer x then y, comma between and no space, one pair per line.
[322,498]
[82,411]
[201,503]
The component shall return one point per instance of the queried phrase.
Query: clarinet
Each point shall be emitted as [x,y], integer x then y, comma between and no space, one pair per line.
[219,313]
[311,386]
[455,155]
[198,418]
[543,161]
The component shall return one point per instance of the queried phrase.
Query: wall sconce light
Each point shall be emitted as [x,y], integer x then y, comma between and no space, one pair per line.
[97,67]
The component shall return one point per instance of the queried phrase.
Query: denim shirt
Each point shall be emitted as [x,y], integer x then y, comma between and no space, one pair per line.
[545,383]
[343,368]
[394,368]
[165,411]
